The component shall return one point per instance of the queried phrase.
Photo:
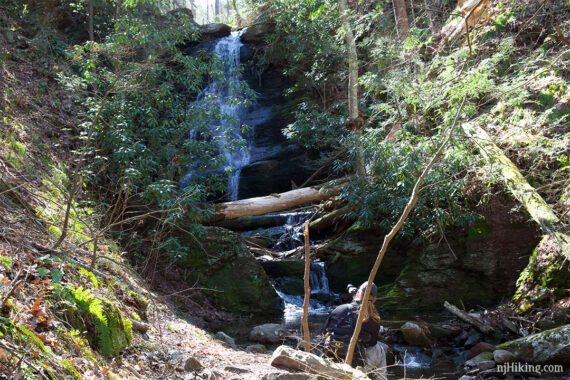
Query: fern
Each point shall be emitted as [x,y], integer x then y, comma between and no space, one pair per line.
[112,330]
[30,336]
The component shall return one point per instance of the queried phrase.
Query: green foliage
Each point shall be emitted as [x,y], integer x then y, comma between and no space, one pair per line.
[393,168]
[307,37]
[136,87]
[314,129]
[6,262]
[112,331]
[91,276]
[175,251]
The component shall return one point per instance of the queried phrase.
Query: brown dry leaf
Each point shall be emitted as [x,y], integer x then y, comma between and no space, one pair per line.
[37,306]
[42,318]
[105,370]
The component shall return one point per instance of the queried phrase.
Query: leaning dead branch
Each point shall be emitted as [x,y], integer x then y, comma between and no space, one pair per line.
[486,329]
[388,238]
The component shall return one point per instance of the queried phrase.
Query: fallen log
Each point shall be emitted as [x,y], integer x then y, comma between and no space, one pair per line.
[274,202]
[516,183]
[486,329]
[327,221]
[289,358]
[466,16]
[548,266]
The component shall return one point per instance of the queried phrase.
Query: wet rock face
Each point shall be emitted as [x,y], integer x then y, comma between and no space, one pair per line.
[276,164]
[350,257]
[221,261]
[550,346]
[480,265]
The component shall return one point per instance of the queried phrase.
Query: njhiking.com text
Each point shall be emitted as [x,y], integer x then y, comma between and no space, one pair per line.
[529,368]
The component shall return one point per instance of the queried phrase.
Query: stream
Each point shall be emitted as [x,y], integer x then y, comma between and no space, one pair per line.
[223,101]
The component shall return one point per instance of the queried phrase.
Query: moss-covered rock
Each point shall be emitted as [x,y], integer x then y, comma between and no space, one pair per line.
[550,346]
[546,276]
[219,259]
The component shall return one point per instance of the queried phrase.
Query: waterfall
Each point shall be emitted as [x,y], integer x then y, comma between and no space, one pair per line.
[222,100]
[318,279]
[318,309]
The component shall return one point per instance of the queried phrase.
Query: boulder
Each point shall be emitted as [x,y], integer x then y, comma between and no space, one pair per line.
[185,362]
[415,334]
[289,358]
[259,29]
[257,33]
[271,333]
[550,346]
[256,348]
[220,335]
[481,265]
[482,357]
[479,348]
[503,356]
[485,365]
[192,364]
[220,260]
[215,30]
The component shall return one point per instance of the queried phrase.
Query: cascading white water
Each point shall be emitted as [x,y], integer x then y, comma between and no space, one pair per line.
[318,279]
[222,100]
[318,310]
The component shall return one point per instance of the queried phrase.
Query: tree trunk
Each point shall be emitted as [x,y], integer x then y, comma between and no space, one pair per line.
[485,329]
[217,8]
[401,15]
[354,122]
[90,20]
[538,209]
[332,219]
[272,203]
[307,285]
[548,268]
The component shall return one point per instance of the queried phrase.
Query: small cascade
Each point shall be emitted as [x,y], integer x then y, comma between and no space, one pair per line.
[222,101]
[320,304]
[318,279]
[287,236]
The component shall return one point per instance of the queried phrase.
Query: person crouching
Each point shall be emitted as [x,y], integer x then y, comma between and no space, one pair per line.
[340,326]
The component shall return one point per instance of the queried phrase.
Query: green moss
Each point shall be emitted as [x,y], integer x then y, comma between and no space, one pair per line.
[479,230]
[18,147]
[6,262]
[70,368]
[55,231]
[222,262]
